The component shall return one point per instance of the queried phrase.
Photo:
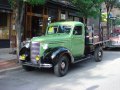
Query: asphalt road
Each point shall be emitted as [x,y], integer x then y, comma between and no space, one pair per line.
[86,75]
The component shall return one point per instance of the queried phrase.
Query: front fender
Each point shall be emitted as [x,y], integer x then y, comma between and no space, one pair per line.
[53,54]
[26,52]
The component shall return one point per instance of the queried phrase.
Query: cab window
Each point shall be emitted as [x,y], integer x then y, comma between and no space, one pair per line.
[59,29]
[77,30]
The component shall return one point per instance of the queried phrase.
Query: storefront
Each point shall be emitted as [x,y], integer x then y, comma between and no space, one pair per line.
[5,24]
[38,17]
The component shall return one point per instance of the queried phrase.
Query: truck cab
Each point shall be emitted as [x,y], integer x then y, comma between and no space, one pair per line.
[63,44]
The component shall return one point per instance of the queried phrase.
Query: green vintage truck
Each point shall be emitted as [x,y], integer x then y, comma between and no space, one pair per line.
[63,44]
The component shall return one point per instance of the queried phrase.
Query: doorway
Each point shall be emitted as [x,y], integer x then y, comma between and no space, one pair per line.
[37,25]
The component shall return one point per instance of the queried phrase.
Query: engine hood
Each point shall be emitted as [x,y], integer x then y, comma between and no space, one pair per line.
[51,38]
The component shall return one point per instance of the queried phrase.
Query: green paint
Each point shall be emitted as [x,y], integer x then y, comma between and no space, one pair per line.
[74,43]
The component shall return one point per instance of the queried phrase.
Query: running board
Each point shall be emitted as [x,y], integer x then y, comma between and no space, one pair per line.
[82,59]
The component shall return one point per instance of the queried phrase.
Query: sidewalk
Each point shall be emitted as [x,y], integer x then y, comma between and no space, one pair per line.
[8,61]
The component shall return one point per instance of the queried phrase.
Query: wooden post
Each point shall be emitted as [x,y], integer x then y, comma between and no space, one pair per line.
[59,14]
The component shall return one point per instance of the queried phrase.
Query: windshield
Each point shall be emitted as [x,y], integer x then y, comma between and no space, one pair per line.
[59,29]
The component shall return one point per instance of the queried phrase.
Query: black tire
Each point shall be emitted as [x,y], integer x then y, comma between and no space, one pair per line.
[98,54]
[27,68]
[61,68]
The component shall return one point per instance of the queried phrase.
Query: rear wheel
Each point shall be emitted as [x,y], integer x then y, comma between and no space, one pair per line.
[98,54]
[61,68]
[27,68]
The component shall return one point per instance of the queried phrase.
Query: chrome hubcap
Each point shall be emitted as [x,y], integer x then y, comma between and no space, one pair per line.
[63,65]
[99,54]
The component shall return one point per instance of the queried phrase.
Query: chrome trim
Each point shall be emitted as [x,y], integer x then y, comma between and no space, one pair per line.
[38,65]
[46,65]
[35,50]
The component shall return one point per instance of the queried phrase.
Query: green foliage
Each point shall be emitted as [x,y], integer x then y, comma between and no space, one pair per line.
[117,21]
[88,8]
[117,5]
[13,3]
[36,2]
[110,4]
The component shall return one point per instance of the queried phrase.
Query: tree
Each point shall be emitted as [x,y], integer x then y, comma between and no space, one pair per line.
[87,8]
[19,7]
[36,2]
[117,4]
[109,5]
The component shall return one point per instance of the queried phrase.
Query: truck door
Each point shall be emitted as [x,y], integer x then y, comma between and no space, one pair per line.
[78,41]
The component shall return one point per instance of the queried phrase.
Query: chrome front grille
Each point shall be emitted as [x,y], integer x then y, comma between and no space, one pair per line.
[35,50]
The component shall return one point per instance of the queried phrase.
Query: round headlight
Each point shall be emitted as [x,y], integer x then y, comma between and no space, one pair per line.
[45,46]
[27,45]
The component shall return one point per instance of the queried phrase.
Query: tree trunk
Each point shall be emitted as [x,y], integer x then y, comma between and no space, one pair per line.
[85,21]
[19,19]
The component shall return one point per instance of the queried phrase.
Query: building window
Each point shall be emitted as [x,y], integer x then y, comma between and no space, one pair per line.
[4,25]
[3,19]
[53,13]
[45,11]
[37,9]
[63,15]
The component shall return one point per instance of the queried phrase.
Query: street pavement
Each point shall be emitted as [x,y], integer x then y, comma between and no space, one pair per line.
[8,61]
[5,54]
[86,75]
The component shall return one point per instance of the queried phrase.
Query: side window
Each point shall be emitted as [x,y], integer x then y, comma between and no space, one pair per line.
[77,30]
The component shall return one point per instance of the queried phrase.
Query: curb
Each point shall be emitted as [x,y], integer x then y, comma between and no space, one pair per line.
[8,60]
[11,69]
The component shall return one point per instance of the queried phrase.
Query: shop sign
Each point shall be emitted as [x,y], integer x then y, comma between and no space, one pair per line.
[63,16]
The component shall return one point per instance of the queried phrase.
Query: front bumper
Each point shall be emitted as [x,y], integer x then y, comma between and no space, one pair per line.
[41,65]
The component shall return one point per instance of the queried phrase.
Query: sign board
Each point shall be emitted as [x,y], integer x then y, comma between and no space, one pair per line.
[63,16]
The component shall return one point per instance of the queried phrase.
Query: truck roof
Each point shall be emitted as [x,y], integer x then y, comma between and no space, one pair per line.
[67,23]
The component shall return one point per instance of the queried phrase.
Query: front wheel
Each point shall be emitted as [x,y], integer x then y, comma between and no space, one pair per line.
[98,54]
[61,68]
